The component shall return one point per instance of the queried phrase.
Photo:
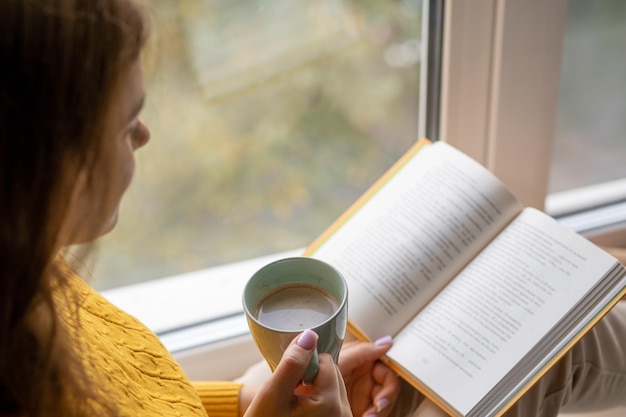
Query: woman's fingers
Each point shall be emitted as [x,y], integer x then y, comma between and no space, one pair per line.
[386,390]
[372,386]
[328,390]
[355,354]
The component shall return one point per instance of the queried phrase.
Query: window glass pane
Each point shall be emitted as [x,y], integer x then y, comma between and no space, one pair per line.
[268,119]
[591,125]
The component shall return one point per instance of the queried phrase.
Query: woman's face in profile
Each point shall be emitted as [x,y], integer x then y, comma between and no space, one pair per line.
[124,133]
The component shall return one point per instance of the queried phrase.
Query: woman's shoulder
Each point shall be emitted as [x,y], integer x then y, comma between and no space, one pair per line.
[130,358]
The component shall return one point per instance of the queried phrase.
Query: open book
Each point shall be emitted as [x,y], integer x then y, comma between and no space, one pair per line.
[481,295]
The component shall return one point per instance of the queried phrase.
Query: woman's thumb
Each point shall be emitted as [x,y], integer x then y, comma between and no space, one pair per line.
[295,360]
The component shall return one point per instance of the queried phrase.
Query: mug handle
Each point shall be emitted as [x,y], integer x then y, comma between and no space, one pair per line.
[311,370]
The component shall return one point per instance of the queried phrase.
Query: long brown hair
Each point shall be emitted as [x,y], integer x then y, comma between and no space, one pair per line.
[60,62]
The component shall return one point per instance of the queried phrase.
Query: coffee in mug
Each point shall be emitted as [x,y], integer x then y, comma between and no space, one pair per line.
[296,307]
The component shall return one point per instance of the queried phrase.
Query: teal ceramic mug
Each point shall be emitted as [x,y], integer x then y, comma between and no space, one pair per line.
[288,296]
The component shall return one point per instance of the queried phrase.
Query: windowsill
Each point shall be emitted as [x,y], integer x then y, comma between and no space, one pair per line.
[597,212]
[196,308]
[585,199]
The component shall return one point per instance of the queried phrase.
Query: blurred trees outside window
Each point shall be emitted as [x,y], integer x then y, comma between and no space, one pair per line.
[268,119]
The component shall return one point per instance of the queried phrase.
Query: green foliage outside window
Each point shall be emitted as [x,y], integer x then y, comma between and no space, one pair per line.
[268,119]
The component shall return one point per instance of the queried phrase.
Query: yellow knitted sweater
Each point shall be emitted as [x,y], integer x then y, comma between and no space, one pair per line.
[139,373]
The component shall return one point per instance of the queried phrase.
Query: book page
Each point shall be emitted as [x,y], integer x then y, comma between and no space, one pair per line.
[499,307]
[414,234]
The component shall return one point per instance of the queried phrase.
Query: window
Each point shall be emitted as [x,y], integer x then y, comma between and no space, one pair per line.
[588,175]
[268,119]
[589,145]
[500,76]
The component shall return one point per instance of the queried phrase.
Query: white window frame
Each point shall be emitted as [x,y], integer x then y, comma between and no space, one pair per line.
[499,87]
[502,62]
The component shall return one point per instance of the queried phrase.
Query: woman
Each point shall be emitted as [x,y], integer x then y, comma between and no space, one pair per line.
[71,90]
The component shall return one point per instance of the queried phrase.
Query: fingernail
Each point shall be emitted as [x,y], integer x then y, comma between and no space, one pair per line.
[307,339]
[381,404]
[371,415]
[383,341]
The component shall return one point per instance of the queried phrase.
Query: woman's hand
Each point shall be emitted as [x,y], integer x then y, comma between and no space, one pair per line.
[371,385]
[282,394]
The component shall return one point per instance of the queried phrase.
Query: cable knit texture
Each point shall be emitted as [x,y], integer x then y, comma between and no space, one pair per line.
[137,371]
